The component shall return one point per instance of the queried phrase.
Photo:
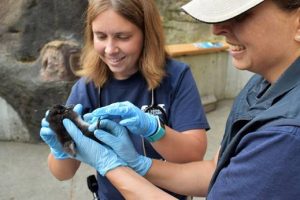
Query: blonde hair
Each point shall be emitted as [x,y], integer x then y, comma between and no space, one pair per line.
[145,15]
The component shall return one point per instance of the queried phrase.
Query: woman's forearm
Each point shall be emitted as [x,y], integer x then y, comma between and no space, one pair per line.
[188,179]
[62,169]
[182,147]
[133,186]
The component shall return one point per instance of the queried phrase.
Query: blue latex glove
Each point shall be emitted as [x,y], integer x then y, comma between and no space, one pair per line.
[117,138]
[92,153]
[132,117]
[50,137]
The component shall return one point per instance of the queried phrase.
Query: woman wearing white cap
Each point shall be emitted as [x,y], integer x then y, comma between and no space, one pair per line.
[259,155]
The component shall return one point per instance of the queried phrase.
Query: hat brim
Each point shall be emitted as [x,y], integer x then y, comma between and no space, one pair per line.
[214,11]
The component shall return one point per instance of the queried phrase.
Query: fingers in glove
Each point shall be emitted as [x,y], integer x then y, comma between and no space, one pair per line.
[130,121]
[110,125]
[115,109]
[90,119]
[72,129]
[105,137]
[48,136]
[44,123]
[46,113]
[78,109]
[46,132]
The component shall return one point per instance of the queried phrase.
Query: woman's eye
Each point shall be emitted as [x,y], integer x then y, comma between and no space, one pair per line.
[242,17]
[123,37]
[100,36]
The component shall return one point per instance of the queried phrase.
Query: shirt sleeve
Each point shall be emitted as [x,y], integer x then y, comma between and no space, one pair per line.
[85,94]
[187,109]
[265,166]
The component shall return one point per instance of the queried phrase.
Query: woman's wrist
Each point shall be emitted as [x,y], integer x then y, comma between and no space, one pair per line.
[159,132]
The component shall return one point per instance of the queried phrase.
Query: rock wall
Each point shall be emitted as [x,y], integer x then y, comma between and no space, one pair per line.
[26,26]
[180,27]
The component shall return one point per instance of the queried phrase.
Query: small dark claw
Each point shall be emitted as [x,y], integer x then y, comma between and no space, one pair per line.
[98,123]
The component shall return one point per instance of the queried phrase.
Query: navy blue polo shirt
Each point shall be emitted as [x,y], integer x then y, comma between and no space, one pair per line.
[259,152]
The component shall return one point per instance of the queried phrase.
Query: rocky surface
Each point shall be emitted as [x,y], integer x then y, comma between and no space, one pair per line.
[29,96]
[26,26]
[178,26]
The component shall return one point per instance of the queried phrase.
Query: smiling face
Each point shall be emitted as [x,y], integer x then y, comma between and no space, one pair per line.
[118,42]
[262,39]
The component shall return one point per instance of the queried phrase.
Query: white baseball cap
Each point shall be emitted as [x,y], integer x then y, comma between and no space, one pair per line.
[214,11]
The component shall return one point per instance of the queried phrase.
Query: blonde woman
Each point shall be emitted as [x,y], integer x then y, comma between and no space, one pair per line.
[124,59]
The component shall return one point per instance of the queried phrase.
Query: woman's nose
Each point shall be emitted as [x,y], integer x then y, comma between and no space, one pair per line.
[111,48]
[221,28]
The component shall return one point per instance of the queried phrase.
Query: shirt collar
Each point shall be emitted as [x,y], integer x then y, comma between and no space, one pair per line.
[287,81]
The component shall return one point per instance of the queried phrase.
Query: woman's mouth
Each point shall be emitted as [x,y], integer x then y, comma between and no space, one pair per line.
[235,48]
[115,60]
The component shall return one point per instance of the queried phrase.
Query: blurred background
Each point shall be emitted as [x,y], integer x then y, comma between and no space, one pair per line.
[40,43]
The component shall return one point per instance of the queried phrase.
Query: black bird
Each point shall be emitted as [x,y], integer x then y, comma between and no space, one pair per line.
[55,118]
